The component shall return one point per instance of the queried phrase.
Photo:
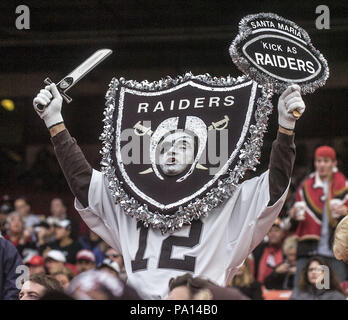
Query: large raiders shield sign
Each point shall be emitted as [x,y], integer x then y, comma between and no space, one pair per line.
[175,149]
[276,52]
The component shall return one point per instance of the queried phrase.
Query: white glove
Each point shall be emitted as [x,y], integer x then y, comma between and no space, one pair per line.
[289,101]
[52,112]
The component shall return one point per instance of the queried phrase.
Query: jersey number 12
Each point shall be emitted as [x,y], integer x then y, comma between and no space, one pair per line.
[165,261]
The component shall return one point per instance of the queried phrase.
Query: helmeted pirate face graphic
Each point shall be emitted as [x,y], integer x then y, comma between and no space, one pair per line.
[176,153]
[174,150]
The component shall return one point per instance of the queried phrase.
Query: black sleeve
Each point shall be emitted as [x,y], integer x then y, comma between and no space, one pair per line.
[281,164]
[76,169]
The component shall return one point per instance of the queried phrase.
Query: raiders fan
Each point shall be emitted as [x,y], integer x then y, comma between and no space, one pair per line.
[212,247]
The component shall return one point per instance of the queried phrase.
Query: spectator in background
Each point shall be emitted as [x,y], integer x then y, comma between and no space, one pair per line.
[54,261]
[99,285]
[6,208]
[244,281]
[64,242]
[58,208]
[52,221]
[117,257]
[37,286]
[3,219]
[59,211]
[187,287]
[93,243]
[9,261]
[15,229]
[36,265]
[282,278]
[23,207]
[110,266]
[27,254]
[311,285]
[6,204]
[85,260]
[19,237]
[41,235]
[269,254]
[321,202]
[64,277]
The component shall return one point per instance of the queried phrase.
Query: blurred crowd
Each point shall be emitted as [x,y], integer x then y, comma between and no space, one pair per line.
[296,260]
[50,245]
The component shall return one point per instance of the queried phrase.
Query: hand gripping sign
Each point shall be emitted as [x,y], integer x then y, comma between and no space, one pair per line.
[175,149]
[276,52]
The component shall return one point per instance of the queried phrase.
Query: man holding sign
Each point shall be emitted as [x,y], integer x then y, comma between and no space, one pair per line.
[213,246]
[276,52]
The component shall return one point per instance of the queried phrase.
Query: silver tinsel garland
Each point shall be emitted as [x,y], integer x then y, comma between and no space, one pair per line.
[249,155]
[278,86]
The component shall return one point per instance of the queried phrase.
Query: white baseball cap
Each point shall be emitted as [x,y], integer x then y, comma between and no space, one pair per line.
[65,223]
[56,255]
[110,264]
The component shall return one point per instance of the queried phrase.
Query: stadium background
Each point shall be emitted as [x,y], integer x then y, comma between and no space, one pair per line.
[150,40]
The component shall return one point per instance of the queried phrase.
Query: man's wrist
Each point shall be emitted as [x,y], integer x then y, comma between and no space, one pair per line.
[289,132]
[55,129]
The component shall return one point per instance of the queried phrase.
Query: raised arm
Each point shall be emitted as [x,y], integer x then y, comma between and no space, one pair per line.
[283,148]
[76,168]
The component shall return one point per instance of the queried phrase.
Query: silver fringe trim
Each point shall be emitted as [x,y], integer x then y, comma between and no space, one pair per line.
[249,155]
[266,80]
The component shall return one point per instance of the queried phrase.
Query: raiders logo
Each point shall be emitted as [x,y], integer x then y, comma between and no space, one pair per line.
[175,149]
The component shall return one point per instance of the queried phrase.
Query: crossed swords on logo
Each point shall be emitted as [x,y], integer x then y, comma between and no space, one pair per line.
[141,130]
